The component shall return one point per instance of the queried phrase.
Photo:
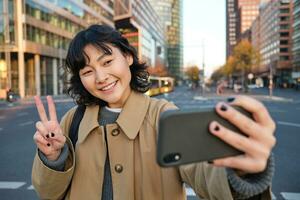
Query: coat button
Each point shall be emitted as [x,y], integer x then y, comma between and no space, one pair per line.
[119,168]
[115,132]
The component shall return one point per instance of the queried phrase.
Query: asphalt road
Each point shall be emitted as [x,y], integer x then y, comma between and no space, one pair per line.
[17,147]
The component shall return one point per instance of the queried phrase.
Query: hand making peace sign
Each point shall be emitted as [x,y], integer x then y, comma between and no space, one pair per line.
[48,136]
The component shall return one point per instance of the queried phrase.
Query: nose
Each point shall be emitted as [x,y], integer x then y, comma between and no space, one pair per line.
[101,76]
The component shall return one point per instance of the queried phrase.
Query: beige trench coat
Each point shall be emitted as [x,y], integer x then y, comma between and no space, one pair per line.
[132,152]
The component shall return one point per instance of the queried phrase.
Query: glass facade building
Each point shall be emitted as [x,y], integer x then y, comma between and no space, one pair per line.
[34,37]
[140,24]
[170,11]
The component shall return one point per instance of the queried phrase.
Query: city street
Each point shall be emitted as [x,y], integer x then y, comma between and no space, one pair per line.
[17,148]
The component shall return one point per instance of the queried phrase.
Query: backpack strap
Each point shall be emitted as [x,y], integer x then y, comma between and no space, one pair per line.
[73,131]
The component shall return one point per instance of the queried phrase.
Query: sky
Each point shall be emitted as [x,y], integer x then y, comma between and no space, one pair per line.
[204,23]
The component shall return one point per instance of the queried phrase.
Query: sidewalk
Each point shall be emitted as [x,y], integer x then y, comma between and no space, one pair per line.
[262,94]
[30,100]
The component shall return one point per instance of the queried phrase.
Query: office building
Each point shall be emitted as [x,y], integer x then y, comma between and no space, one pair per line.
[140,24]
[240,15]
[170,12]
[34,38]
[275,42]
[296,42]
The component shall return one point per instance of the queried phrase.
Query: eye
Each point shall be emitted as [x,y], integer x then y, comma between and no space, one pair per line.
[107,62]
[86,72]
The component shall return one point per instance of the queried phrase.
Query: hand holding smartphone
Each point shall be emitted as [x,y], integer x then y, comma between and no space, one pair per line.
[184,137]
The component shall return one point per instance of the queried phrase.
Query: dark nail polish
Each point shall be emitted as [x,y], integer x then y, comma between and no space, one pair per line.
[217,128]
[210,162]
[223,107]
[47,136]
[48,145]
[230,99]
[52,134]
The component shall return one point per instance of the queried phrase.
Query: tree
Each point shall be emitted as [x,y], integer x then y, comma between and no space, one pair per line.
[245,58]
[230,66]
[218,74]
[193,74]
[241,63]
[158,71]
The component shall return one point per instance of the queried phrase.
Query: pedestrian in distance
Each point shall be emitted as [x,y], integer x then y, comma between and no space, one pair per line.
[220,87]
[115,154]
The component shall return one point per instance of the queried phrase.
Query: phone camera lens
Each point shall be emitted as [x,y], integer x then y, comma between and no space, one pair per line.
[172,157]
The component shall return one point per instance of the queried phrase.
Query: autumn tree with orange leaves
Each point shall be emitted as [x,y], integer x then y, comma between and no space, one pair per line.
[242,61]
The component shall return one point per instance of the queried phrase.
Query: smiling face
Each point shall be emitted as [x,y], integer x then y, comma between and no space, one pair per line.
[107,77]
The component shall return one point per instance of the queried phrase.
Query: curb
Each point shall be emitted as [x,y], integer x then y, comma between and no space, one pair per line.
[259,97]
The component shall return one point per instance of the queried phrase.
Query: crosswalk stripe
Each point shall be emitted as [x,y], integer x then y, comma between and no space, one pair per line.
[26,123]
[273,196]
[288,124]
[30,187]
[190,192]
[290,196]
[11,185]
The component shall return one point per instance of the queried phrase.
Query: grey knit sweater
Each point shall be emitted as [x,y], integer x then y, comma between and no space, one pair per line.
[243,187]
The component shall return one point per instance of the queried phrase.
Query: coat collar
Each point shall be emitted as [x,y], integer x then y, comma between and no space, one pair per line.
[130,119]
[88,122]
[133,114]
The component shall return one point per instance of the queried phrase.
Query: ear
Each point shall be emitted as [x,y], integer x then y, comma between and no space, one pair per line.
[129,59]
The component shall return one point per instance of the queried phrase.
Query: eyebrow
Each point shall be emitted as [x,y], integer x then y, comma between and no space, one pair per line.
[101,57]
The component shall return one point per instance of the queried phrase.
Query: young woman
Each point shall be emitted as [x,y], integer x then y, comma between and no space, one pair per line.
[115,153]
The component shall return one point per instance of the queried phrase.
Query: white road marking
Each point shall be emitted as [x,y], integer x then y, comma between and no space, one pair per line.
[273,196]
[288,124]
[26,123]
[2,117]
[30,187]
[290,195]
[190,192]
[22,114]
[11,185]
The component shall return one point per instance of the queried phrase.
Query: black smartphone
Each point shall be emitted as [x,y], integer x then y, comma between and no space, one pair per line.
[184,137]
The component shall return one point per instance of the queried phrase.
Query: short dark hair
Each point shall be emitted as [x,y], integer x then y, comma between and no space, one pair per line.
[100,36]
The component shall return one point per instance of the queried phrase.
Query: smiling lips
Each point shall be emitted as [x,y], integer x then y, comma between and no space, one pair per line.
[109,86]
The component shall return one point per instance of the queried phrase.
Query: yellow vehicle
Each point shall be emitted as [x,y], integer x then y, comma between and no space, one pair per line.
[160,85]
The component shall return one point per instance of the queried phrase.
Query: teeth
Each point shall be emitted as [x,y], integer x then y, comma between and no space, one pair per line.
[109,86]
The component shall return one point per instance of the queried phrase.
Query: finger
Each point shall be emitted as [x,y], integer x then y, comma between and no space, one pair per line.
[51,107]
[41,109]
[40,127]
[45,149]
[236,140]
[242,163]
[56,145]
[241,121]
[39,139]
[258,110]
[59,138]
